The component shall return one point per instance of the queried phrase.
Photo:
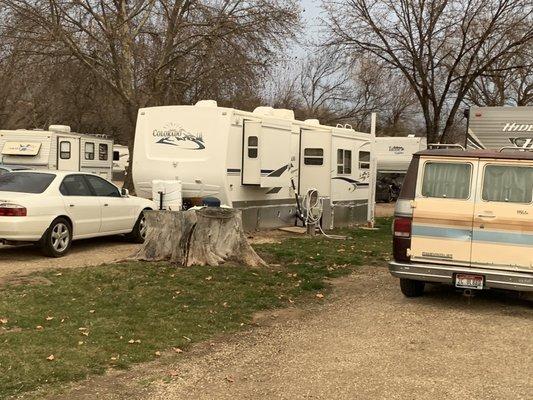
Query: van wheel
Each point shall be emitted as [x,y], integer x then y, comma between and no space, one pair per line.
[411,288]
[138,234]
[57,239]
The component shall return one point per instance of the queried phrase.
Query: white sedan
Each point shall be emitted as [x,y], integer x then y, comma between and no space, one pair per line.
[53,208]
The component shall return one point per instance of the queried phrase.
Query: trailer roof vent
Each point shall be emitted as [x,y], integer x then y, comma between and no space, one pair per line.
[207,103]
[284,113]
[312,121]
[59,128]
[263,110]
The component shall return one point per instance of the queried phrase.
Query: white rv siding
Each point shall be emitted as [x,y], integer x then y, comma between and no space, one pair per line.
[394,154]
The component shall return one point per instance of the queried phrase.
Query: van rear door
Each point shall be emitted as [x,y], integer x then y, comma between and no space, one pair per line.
[503,217]
[443,210]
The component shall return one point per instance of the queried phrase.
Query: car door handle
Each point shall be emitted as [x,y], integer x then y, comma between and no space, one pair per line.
[106,205]
[486,216]
[71,205]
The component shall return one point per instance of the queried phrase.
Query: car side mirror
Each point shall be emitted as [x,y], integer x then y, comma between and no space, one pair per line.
[124,192]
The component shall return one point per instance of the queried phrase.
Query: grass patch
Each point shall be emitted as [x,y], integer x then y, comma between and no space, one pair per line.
[87,317]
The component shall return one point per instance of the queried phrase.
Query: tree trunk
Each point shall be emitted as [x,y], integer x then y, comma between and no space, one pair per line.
[210,236]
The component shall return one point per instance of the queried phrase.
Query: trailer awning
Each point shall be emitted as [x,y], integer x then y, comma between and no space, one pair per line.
[21,148]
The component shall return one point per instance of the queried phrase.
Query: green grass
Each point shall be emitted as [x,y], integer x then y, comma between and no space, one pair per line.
[157,304]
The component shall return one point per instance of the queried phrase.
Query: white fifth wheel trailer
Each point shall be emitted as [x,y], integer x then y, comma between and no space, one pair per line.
[57,148]
[497,127]
[251,160]
[394,154]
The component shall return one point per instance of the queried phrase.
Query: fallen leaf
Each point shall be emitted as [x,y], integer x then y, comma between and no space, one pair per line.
[80,343]
[59,274]
[319,296]
[177,350]
[49,318]
[85,333]
[173,373]
[50,357]
[3,320]
[187,338]
[113,359]
[208,278]
[291,301]
[39,327]
[82,329]
[92,311]
[131,341]
[157,353]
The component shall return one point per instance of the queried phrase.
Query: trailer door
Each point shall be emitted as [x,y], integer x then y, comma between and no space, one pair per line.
[251,162]
[275,155]
[68,153]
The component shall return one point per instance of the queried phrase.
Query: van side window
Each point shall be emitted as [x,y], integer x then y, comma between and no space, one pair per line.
[446,180]
[89,151]
[364,160]
[508,184]
[102,152]
[313,156]
[344,161]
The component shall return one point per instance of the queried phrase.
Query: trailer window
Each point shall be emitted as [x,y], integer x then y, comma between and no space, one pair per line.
[447,180]
[116,156]
[64,150]
[508,184]
[313,156]
[253,143]
[102,152]
[89,151]
[364,160]
[344,161]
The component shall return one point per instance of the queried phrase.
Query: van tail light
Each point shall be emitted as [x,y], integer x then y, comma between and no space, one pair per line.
[12,210]
[401,241]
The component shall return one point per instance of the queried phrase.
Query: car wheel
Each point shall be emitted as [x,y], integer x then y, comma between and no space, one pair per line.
[411,288]
[138,234]
[57,239]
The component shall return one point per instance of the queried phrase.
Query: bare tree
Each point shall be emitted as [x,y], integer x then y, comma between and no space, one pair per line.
[440,46]
[149,52]
[511,82]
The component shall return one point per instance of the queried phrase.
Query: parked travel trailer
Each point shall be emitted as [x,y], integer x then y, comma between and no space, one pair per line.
[497,127]
[57,148]
[256,161]
[393,155]
[121,159]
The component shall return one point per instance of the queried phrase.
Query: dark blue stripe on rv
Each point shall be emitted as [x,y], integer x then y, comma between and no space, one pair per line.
[233,170]
[521,239]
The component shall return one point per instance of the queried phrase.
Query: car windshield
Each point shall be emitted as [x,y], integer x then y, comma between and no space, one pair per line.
[25,182]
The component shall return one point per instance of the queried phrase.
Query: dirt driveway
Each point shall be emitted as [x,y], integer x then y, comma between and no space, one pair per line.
[365,342]
[22,260]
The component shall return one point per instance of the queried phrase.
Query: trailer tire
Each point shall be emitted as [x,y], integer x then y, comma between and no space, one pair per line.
[57,239]
[411,288]
[138,234]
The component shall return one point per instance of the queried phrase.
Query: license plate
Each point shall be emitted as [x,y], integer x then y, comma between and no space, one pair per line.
[467,281]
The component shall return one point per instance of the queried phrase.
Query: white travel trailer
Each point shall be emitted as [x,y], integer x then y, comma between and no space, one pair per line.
[497,127]
[121,159]
[57,148]
[254,161]
[394,154]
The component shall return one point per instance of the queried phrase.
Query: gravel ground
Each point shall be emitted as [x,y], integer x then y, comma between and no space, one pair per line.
[366,341]
[21,260]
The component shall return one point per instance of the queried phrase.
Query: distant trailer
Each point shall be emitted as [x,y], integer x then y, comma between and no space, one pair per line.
[394,154]
[498,127]
[121,159]
[256,161]
[57,148]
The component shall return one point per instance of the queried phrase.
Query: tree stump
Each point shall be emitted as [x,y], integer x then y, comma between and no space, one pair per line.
[209,236]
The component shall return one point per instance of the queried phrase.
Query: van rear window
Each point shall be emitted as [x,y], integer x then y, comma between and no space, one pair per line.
[409,183]
[447,180]
[508,184]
